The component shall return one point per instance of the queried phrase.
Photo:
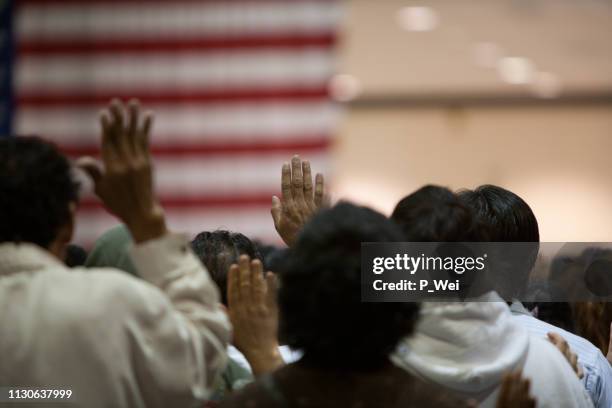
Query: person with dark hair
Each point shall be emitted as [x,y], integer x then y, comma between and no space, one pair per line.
[510,217]
[468,347]
[39,195]
[511,220]
[75,256]
[105,338]
[346,342]
[218,250]
[434,211]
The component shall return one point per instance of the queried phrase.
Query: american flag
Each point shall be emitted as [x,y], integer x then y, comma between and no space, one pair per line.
[236,88]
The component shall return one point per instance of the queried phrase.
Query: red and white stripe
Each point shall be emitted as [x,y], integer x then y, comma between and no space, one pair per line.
[236,87]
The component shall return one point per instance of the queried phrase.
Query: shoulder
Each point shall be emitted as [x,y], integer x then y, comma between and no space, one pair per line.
[553,380]
[103,294]
[586,351]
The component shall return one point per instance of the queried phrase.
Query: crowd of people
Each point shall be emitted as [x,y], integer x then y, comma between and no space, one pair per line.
[148,318]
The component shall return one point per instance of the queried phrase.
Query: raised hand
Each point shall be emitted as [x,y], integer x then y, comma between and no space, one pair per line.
[514,392]
[299,199]
[567,352]
[125,183]
[253,311]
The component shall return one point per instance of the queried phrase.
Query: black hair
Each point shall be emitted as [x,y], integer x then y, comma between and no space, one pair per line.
[509,216]
[509,219]
[320,305]
[435,214]
[271,254]
[75,256]
[36,189]
[218,250]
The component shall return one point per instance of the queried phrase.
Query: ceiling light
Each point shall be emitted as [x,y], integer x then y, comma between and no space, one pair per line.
[417,18]
[515,70]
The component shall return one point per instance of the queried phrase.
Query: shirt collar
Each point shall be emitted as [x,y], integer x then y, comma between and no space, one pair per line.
[25,257]
[517,308]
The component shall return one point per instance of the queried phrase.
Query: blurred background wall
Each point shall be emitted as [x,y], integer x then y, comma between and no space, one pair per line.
[453,92]
[460,93]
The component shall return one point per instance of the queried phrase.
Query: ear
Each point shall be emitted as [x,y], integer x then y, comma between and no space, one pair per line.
[64,235]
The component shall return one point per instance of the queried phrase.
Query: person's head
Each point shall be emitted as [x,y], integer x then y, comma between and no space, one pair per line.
[509,219]
[38,194]
[508,215]
[321,312]
[218,250]
[435,214]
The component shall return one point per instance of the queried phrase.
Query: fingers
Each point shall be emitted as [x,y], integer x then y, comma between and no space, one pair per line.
[132,125]
[258,285]
[276,210]
[297,180]
[245,280]
[233,287]
[144,134]
[559,342]
[116,128]
[286,183]
[319,190]
[108,142]
[122,135]
[308,193]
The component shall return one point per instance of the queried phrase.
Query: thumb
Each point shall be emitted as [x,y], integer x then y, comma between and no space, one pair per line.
[276,209]
[90,166]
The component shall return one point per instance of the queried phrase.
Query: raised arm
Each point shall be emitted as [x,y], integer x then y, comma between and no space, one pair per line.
[177,330]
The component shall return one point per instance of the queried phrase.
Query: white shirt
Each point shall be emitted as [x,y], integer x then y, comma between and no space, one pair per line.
[468,347]
[597,370]
[114,340]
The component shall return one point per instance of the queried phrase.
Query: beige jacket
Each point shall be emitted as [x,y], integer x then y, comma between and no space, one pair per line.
[114,340]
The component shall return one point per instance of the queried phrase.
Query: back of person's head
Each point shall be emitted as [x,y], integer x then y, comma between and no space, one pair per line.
[435,214]
[218,250]
[37,193]
[510,218]
[321,311]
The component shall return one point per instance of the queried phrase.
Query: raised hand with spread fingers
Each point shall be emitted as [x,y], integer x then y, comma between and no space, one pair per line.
[125,182]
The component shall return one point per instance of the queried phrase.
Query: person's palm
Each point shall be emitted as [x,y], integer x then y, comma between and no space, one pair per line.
[299,199]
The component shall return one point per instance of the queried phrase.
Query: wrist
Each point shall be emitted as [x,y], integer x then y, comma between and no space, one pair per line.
[148,226]
[264,360]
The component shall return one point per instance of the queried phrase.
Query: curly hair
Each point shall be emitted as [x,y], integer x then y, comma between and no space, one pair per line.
[36,189]
[218,250]
[320,305]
